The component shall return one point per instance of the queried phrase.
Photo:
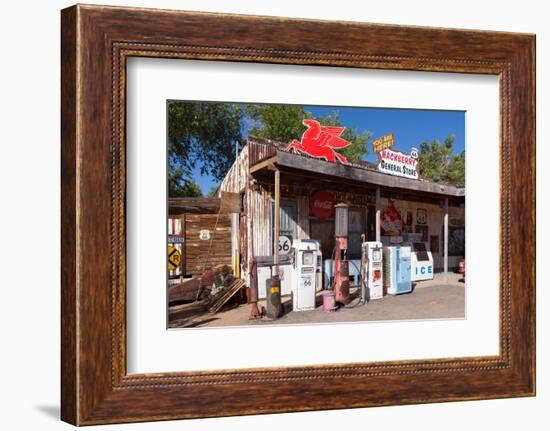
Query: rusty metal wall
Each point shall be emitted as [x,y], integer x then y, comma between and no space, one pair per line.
[260,151]
[258,200]
[235,180]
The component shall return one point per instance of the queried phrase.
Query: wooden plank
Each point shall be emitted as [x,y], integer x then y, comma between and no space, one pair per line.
[230,203]
[177,206]
[206,253]
[226,296]
[263,164]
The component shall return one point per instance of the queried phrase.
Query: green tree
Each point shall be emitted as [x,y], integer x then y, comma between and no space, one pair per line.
[456,169]
[203,135]
[359,147]
[213,192]
[281,123]
[189,189]
[437,161]
[284,123]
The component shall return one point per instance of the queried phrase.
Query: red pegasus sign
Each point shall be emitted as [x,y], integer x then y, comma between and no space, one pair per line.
[320,141]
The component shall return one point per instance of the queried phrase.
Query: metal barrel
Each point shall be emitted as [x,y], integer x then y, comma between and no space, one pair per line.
[273,298]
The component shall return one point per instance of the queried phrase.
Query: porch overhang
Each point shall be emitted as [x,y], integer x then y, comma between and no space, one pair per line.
[351,173]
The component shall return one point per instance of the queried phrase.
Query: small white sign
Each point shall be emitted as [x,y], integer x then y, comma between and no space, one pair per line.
[204,234]
[284,244]
[397,163]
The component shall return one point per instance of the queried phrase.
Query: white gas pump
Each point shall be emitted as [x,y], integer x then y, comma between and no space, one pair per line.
[372,286]
[306,274]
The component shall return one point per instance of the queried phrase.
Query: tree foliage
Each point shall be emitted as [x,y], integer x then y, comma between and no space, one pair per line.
[213,192]
[359,147]
[201,135]
[189,189]
[281,123]
[438,162]
[456,169]
[284,123]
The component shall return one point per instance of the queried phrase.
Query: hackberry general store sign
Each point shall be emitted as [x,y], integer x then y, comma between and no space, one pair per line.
[397,163]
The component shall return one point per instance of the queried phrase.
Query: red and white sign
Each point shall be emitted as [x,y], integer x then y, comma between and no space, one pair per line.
[321,204]
[395,162]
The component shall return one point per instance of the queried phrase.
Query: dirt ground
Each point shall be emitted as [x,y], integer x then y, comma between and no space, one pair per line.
[441,298]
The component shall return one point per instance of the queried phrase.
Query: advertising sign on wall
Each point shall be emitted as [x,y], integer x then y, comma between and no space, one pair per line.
[321,204]
[395,162]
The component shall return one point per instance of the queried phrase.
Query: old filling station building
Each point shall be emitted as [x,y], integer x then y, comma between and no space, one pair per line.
[305,191]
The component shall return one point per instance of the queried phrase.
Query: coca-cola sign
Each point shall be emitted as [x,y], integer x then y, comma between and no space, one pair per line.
[321,204]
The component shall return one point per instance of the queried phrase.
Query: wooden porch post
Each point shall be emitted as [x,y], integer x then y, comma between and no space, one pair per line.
[276,220]
[378,209]
[446,237]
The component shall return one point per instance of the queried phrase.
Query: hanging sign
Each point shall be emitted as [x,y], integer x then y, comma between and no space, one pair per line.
[391,221]
[397,163]
[321,204]
[382,143]
[176,239]
[320,141]
[284,244]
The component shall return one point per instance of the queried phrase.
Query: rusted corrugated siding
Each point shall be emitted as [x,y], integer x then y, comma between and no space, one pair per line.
[258,210]
[207,253]
[260,151]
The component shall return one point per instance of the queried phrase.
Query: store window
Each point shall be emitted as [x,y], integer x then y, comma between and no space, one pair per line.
[355,230]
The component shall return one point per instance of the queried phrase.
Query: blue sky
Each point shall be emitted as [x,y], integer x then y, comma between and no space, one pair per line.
[409,126]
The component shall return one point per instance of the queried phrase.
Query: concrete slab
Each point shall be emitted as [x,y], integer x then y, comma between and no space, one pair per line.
[441,298]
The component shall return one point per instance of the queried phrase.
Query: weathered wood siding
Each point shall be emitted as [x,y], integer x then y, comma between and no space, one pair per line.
[201,253]
[303,217]
[237,176]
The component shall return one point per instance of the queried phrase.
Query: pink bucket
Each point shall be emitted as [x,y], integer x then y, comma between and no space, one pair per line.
[329,301]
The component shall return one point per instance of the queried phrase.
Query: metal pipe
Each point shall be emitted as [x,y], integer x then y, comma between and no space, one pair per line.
[378,209]
[277,220]
[446,237]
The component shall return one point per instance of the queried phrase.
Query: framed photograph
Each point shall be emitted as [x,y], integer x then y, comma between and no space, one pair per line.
[421,216]
[238,208]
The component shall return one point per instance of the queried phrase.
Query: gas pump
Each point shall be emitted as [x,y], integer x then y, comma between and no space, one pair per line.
[372,281]
[341,264]
[305,274]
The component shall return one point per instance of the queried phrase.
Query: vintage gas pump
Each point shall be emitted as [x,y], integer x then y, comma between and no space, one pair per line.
[372,282]
[305,277]
[341,264]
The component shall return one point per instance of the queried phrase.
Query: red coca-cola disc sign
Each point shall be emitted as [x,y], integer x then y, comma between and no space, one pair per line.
[321,204]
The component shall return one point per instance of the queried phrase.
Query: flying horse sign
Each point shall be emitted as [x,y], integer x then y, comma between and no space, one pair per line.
[320,141]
